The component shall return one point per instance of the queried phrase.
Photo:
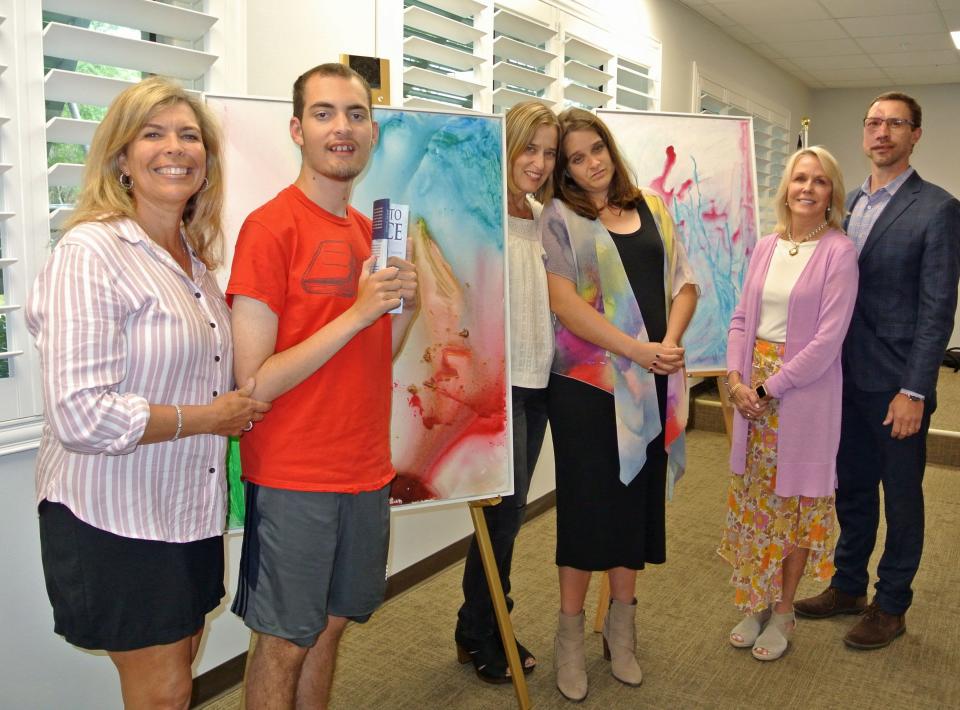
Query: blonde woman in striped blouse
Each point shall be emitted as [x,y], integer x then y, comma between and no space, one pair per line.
[135,348]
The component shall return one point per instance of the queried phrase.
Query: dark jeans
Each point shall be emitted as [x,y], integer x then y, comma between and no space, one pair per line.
[870,457]
[476,618]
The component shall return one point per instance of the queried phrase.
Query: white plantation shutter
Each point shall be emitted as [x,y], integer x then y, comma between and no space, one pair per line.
[771,137]
[587,76]
[20,206]
[524,67]
[442,53]
[81,54]
[142,37]
[636,88]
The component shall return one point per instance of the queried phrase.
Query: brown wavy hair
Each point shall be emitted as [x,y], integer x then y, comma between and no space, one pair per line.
[103,199]
[623,191]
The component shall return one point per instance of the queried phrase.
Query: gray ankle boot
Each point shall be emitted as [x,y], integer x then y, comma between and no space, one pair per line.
[620,642]
[568,657]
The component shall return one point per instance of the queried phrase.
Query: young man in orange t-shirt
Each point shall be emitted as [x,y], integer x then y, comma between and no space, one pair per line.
[310,324]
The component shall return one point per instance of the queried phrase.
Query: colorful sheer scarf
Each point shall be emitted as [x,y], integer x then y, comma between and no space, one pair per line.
[603,283]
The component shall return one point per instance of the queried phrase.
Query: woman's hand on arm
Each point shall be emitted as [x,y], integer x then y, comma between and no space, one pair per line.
[580,318]
[230,414]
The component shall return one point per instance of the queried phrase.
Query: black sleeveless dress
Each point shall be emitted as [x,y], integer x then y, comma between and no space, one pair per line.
[600,522]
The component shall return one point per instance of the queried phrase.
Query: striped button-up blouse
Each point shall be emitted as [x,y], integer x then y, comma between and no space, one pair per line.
[119,327]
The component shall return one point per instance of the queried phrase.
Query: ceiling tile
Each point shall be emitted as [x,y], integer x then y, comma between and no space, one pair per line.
[846,61]
[819,47]
[914,59]
[793,31]
[786,64]
[879,83]
[856,74]
[893,25]
[765,50]
[953,19]
[907,43]
[859,8]
[741,34]
[949,4]
[772,11]
[925,75]
[715,16]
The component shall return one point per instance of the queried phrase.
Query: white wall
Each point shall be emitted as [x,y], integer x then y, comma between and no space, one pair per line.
[836,116]
[39,670]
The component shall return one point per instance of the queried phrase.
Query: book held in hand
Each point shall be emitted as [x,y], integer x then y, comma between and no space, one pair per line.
[390,222]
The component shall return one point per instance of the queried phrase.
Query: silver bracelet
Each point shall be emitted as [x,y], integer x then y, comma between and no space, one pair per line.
[176,434]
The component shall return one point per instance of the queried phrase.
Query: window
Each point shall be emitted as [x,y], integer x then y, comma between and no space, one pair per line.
[586,74]
[440,58]
[636,88]
[91,50]
[523,65]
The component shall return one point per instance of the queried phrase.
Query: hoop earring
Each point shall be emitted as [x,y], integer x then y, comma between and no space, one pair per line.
[128,184]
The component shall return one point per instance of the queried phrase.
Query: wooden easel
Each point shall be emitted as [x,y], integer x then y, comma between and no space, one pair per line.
[496,595]
[603,598]
[499,601]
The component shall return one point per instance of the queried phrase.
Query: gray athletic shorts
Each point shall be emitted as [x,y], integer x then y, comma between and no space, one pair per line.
[306,555]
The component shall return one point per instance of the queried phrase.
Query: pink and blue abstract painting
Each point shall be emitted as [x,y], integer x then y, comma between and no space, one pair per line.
[703,167]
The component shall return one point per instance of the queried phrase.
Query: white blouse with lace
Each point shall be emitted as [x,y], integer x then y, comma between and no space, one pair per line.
[531,327]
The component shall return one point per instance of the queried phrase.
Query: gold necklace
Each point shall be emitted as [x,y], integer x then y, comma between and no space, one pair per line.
[795,249]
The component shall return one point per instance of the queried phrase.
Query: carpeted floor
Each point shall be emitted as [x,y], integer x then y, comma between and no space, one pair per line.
[947,416]
[404,657]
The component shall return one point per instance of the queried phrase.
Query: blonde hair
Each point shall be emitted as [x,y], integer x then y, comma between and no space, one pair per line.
[102,198]
[523,120]
[623,191]
[831,169]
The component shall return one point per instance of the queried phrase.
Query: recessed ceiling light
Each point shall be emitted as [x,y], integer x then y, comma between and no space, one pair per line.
[956,38]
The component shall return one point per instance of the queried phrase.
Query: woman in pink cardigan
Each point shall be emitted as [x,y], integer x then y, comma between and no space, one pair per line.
[784,378]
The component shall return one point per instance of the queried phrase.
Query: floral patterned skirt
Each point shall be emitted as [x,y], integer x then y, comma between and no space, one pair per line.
[762,528]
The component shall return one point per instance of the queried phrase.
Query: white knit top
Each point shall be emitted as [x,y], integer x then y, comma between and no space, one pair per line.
[531,327]
[782,276]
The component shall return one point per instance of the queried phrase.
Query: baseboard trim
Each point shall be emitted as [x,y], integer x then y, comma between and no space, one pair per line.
[222,678]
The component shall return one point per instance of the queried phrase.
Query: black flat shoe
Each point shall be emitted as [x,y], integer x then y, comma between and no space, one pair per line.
[489,659]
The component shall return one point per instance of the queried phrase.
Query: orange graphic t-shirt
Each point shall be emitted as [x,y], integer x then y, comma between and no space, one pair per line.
[332,431]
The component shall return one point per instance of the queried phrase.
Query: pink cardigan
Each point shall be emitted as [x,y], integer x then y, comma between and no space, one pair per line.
[809,384]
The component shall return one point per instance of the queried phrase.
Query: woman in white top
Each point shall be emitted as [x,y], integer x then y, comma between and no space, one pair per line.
[532,135]
[784,375]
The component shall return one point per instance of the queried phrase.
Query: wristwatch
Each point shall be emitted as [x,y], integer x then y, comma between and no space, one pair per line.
[761,391]
[913,397]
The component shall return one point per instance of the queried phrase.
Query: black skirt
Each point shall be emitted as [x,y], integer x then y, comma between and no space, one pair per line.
[116,593]
[602,523]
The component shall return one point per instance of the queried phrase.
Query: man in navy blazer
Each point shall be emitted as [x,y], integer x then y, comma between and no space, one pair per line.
[907,231]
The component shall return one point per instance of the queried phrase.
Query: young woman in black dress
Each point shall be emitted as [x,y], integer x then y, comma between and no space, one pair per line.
[623,294]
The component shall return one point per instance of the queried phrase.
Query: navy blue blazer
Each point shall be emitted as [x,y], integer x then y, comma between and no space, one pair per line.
[909,268]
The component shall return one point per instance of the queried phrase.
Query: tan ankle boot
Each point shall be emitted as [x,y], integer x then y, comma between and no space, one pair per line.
[620,641]
[568,657]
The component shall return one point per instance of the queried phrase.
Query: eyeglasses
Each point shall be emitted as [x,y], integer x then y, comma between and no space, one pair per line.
[894,124]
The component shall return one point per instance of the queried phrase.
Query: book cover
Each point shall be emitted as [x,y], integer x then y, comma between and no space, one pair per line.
[390,222]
